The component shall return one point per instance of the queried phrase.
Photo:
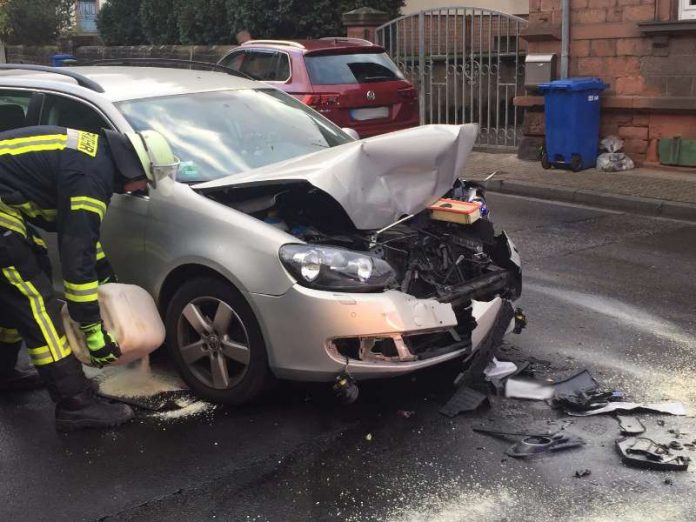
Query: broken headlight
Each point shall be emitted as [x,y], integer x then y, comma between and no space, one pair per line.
[329,268]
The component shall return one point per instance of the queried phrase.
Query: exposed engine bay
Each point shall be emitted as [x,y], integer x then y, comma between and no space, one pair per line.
[450,262]
[432,259]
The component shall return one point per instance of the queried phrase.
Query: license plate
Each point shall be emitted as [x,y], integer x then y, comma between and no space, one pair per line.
[369,113]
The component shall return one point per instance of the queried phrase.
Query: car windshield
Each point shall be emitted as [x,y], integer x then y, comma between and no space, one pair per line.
[335,69]
[216,134]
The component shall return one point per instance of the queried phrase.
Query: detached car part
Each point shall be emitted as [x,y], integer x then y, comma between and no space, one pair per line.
[530,446]
[642,452]
[630,425]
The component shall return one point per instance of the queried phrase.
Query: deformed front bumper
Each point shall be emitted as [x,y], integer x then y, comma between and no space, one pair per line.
[301,328]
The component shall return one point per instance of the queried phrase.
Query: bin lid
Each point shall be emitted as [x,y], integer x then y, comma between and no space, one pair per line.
[574,84]
[62,56]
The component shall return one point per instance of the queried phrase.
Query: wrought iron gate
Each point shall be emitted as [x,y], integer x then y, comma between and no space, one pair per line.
[468,65]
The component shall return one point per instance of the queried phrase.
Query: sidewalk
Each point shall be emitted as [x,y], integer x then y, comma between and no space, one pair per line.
[642,191]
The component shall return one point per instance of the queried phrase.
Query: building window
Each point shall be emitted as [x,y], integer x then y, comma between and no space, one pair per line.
[87,15]
[687,9]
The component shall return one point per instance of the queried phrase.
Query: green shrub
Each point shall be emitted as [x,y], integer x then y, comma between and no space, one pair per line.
[203,22]
[119,23]
[299,18]
[209,22]
[158,19]
[34,22]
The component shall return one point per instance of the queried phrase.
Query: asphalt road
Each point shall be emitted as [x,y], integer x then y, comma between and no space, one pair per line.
[610,292]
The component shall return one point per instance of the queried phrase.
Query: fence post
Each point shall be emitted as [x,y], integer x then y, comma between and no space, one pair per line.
[363,23]
[421,66]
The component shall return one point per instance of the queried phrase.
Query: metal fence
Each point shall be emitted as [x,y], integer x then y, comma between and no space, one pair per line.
[467,64]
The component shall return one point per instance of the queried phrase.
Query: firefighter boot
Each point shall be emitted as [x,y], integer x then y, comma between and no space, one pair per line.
[88,410]
[77,404]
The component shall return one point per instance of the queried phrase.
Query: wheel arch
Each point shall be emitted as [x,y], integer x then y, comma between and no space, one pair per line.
[183,273]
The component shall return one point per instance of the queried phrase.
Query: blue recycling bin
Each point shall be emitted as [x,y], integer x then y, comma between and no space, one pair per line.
[61,60]
[572,122]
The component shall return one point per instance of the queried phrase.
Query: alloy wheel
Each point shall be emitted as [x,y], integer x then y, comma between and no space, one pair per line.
[214,343]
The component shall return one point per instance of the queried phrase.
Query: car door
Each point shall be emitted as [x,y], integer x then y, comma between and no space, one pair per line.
[126,219]
[14,108]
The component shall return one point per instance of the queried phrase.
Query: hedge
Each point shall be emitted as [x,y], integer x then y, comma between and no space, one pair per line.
[34,22]
[210,22]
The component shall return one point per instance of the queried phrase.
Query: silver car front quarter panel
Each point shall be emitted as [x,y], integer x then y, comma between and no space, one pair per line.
[300,325]
[186,228]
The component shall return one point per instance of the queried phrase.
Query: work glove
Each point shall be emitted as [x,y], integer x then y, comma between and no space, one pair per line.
[103,348]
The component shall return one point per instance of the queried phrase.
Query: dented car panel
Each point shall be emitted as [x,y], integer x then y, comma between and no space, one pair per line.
[377,180]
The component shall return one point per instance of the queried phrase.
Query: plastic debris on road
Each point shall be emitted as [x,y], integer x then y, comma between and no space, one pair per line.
[672,408]
[630,425]
[497,370]
[529,389]
[642,452]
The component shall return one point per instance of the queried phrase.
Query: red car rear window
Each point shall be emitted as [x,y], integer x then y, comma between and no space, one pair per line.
[335,69]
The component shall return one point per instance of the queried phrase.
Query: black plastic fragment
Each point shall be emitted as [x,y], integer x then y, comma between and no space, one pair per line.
[581,382]
[630,425]
[641,452]
[530,446]
[509,432]
[464,399]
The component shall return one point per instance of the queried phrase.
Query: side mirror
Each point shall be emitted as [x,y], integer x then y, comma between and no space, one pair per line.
[351,132]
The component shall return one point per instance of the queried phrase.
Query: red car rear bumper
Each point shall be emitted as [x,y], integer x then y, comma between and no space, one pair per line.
[366,130]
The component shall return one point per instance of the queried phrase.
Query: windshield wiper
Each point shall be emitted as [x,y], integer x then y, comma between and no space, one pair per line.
[376,78]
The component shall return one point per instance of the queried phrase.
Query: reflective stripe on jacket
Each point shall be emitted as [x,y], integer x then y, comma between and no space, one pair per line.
[61,180]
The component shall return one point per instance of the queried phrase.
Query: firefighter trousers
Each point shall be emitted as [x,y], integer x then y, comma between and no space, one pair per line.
[29,311]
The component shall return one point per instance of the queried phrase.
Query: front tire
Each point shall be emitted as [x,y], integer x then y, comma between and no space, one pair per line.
[216,342]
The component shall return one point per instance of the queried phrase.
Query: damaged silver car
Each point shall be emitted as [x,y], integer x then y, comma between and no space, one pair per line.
[284,247]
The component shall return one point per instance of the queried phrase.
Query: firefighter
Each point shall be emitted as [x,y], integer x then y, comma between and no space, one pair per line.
[62,180]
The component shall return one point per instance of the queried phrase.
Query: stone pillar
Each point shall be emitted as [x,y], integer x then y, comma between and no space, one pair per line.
[363,22]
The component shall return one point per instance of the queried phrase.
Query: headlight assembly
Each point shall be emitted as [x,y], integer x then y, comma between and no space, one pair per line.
[329,268]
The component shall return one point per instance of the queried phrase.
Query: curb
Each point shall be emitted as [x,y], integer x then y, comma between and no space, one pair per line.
[633,204]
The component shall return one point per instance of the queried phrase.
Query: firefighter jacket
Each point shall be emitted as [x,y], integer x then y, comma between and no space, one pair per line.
[60,180]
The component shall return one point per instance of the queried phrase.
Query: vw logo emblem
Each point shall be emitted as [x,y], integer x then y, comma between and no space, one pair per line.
[371,95]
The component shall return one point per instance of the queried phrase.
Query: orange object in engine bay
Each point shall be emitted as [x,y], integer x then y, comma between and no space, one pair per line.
[455,211]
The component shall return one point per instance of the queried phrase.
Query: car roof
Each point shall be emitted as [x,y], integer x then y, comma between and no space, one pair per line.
[122,83]
[321,45]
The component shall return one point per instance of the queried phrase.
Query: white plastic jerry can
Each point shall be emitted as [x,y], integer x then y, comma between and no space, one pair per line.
[130,315]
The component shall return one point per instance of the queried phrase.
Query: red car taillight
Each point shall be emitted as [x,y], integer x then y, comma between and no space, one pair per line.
[408,93]
[321,101]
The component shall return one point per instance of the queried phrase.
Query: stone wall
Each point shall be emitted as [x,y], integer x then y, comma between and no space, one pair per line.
[42,55]
[181,52]
[31,54]
[651,74]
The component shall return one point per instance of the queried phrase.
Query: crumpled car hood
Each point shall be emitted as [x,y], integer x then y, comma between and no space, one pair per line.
[376,180]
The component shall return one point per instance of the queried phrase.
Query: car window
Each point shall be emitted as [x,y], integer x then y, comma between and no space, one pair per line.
[74,114]
[216,134]
[334,69]
[282,72]
[13,109]
[233,60]
[260,65]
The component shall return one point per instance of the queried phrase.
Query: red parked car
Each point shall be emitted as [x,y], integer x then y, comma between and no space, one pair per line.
[352,82]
